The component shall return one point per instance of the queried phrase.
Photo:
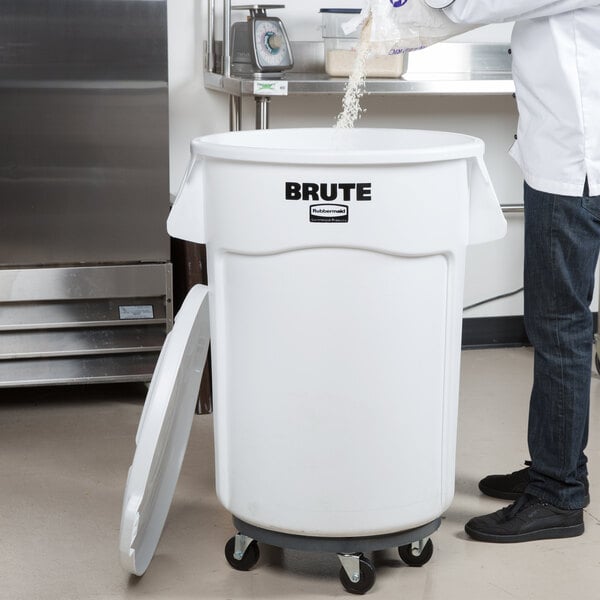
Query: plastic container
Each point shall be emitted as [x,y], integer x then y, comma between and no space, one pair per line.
[336,265]
[340,49]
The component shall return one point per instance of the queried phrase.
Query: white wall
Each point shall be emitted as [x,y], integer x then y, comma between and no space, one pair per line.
[194,111]
[492,269]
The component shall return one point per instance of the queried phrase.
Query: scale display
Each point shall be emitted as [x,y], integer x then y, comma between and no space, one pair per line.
[260,44]
[270,44]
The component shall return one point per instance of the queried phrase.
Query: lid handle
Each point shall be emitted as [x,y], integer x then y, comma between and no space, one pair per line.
[486,222]
[186,219]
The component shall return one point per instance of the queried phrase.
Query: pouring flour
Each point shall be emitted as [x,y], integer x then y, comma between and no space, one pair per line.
[390,27]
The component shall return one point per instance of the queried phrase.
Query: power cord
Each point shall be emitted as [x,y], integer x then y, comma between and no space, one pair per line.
[494,298]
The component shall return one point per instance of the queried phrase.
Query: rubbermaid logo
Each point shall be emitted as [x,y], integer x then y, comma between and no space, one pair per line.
[329,213]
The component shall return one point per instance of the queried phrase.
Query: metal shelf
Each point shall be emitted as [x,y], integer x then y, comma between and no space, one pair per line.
[417,84]
[449,68]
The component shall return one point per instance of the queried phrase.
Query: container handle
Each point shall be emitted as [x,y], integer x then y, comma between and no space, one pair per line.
[486,221]
[186,219]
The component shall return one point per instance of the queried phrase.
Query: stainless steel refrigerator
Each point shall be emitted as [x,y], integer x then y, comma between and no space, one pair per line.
[85,277]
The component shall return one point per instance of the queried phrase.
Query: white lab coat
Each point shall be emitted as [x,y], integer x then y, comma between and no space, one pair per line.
[556,70]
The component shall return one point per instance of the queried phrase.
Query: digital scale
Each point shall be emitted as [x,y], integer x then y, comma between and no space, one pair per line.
[260,46]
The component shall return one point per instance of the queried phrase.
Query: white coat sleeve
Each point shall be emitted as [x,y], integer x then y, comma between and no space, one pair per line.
[498,11]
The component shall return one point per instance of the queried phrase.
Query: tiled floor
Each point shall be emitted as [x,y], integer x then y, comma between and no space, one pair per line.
[64,455]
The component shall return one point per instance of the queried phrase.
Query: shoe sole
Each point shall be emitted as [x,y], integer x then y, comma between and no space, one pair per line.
[493,493]
[541,534]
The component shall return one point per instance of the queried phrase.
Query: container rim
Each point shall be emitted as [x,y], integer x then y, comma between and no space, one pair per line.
[330,146]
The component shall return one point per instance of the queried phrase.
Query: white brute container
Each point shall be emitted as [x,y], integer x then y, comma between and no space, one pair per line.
[336,268]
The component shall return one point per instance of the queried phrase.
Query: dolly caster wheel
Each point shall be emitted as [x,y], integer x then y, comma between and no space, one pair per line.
[241,552]
[357,573]
[417,553]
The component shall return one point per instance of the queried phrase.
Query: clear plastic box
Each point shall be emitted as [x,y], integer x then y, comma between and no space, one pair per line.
[340,48]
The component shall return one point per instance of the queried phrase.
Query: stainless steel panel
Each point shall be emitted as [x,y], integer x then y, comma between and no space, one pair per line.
[23,316]
[84,123]
[118,312]
[83,39]
[84,190]
[72,283]
[93,369]
[78,342]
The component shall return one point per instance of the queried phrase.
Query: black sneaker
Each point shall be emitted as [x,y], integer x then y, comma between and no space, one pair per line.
[527,519]
[506,487]
[512,486]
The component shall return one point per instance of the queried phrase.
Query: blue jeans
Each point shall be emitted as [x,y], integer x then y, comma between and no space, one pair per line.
[562,239]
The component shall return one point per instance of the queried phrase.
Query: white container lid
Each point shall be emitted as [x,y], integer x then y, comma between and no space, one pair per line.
[163,432]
